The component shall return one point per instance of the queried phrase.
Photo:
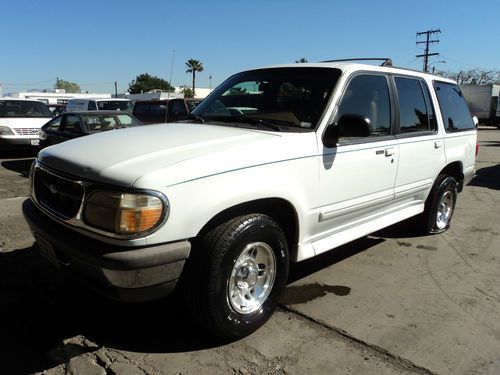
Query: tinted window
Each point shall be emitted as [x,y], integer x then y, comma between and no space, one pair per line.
[23,108]
[414,115]
[71,124]
[178,107]
[92,106]
[368,96]
[112,105]
[456,115]
[54,124]
[97,123]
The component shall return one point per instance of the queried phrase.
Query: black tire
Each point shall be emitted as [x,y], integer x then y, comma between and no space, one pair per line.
[207,279]
[440,205]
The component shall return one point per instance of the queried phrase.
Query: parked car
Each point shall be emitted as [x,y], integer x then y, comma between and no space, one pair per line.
[20,122]
[72,125]
[114,104]
[316,155]
[155,111]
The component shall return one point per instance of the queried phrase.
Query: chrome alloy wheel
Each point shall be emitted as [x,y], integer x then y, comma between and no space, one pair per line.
[252,278]
[445,210]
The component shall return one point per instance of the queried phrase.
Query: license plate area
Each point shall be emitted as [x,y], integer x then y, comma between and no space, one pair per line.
[35,142]
[47,250]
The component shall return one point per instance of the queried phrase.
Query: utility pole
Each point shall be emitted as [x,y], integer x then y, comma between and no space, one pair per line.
[428,41]
[116,90]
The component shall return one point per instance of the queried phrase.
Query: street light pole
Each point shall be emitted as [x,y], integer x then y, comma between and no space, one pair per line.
[171,70]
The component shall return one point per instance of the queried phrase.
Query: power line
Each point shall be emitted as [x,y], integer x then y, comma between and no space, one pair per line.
[428,41]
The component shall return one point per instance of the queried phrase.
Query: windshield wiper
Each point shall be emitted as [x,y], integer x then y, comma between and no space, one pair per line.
[250,121]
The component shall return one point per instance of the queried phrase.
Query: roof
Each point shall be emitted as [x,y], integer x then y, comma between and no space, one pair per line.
[355,66]
[102,99]
[20,99]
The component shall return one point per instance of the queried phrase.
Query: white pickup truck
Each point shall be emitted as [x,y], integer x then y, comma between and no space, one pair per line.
[277,165]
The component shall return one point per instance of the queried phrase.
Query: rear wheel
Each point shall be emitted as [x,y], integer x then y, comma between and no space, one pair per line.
[236,276]
[440,205]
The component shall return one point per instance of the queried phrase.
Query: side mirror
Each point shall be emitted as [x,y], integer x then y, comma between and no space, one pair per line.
[349,125]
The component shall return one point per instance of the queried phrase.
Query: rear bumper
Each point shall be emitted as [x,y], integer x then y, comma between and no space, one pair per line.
[122,273]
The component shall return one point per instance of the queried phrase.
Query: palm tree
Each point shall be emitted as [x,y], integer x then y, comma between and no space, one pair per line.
[193,67]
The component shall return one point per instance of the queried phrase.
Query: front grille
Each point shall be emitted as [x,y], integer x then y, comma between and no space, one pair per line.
[59,195]
[27,131]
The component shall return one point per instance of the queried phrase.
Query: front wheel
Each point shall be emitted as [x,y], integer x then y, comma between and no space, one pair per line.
[440,205]
[236,275]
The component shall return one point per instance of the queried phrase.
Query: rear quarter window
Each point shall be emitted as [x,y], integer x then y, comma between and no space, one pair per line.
[454,110]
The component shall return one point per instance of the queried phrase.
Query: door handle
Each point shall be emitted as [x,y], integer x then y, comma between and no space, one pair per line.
[389,151]
[437,144]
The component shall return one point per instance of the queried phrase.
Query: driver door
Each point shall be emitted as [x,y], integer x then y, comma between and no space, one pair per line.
[357,176]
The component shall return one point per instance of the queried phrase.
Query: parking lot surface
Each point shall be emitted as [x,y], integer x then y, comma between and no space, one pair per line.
[389,303]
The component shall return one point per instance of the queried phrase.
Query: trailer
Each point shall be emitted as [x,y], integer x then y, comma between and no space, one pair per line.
[483,102]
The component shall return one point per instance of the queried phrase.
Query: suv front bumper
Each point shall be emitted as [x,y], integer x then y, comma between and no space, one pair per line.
[122,273]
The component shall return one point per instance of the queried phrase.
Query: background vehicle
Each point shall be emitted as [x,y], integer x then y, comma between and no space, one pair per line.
[483,102]
[72,125]
[99,105]
[155,111]
[20,122]
[56,109]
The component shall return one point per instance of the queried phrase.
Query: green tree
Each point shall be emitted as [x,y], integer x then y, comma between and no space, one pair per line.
[67,85]
[473,76]
[301,60]
[187,91]
[146,82]
[193,67]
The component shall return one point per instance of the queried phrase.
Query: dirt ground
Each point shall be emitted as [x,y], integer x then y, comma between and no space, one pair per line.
[389,303]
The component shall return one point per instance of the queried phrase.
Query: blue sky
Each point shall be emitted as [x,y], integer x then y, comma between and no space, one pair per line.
[95,43]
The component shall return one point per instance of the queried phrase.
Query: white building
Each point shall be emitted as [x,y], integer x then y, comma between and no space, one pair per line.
[57,96]
[200,92]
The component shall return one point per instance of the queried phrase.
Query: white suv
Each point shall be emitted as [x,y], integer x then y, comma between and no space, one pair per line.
[322,154]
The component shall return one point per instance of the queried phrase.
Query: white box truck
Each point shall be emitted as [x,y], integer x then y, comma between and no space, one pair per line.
[483,102]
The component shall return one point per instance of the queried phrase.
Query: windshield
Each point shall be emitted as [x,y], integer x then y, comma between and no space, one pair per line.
[23,108]
[113,105]
[293,98]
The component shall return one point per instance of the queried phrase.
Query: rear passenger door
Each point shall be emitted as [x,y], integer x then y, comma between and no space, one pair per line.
[421,147]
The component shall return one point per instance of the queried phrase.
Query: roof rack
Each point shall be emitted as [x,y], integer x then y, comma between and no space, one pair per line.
[386,60]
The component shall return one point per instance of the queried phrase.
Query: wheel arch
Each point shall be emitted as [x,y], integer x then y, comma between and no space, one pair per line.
[455,170]
[279,209]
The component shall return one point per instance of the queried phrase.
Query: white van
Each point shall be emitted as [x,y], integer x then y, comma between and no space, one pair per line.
[20,121]
[111,104]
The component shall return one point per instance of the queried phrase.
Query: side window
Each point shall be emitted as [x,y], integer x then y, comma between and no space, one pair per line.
[368,96]
[178,106]
[71,124]
[55,124]
[456,115]
[92,106]
[414,112]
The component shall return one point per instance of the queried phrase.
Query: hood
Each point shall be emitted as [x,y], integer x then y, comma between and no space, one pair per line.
[175,152]
[24,122]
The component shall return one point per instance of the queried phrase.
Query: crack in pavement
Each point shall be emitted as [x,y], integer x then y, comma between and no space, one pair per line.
[381,353]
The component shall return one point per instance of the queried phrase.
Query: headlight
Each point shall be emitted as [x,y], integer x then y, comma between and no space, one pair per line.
[5,130]
[124,213]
